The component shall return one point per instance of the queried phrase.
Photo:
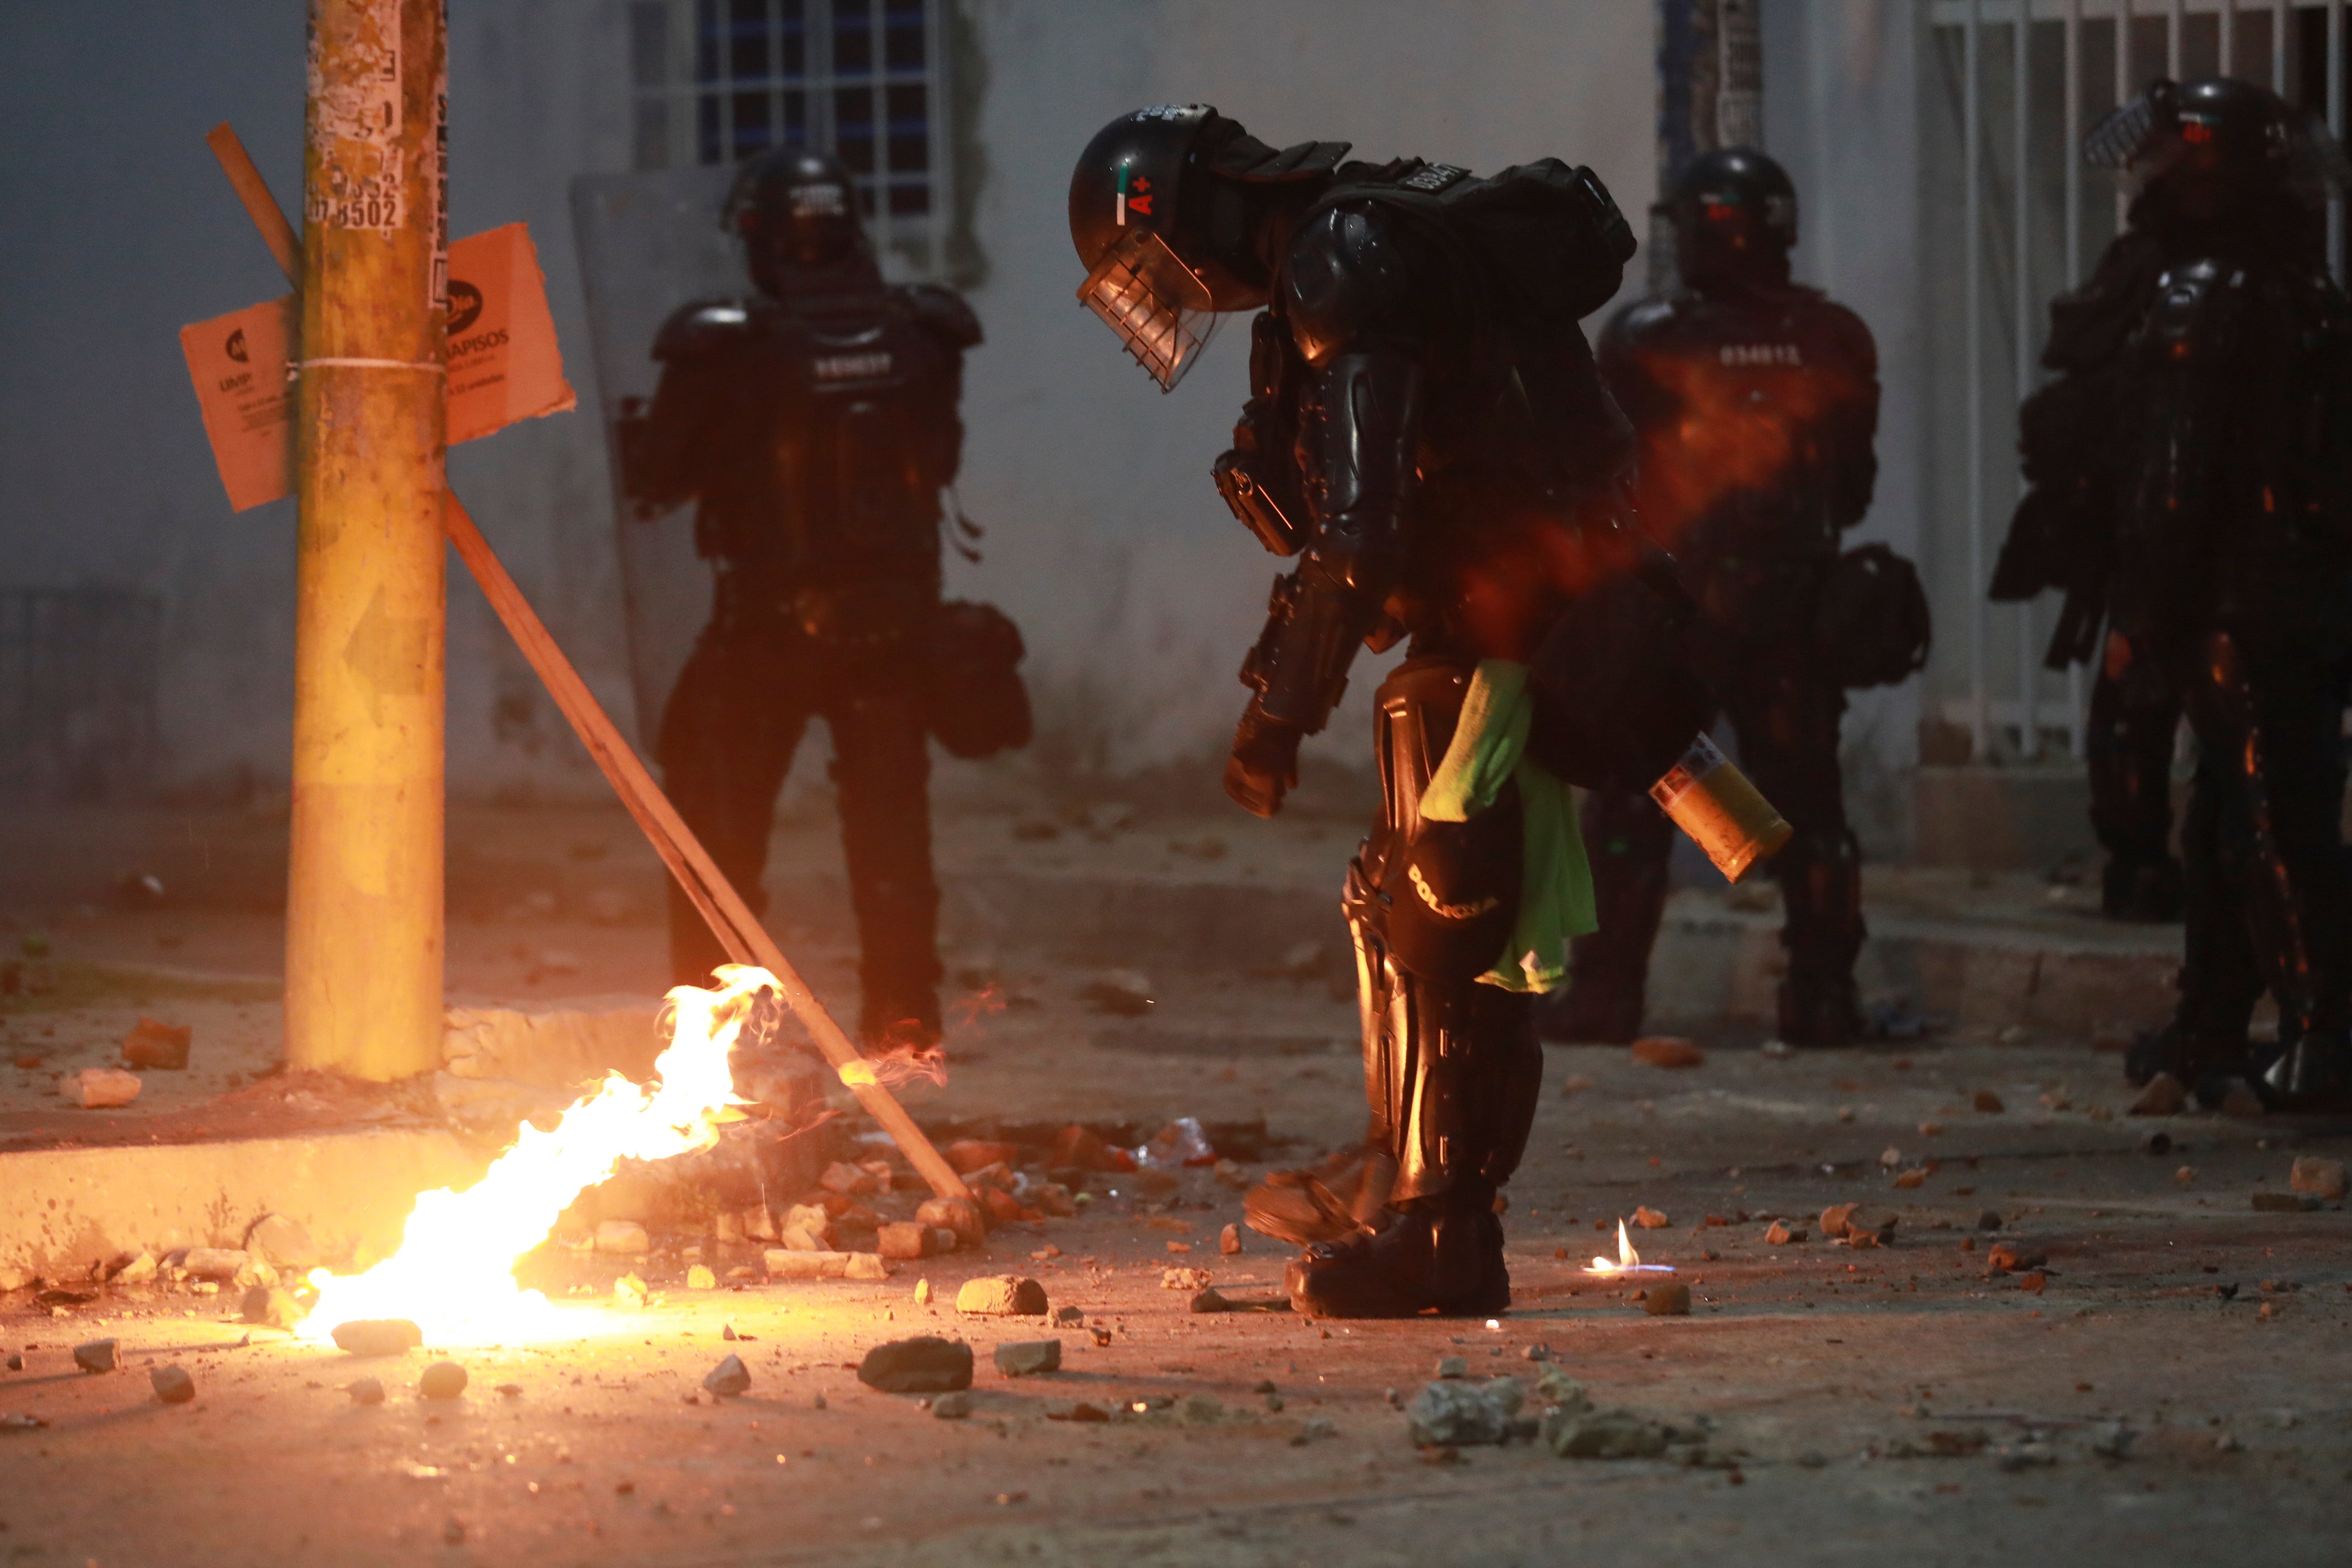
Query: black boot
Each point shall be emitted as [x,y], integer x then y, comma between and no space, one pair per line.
[2312,1072]
[1818,1010]
[1448,1260]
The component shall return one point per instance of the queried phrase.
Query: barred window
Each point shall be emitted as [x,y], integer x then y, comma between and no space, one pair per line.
[713,81]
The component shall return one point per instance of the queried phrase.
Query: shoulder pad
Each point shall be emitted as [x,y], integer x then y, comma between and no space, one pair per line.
[1846,332]
[944,313]
[702,326]
[1346,274]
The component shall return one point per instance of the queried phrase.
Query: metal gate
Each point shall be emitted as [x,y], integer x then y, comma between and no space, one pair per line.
[2008,88]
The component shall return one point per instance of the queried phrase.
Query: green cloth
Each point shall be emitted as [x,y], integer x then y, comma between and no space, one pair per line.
[1489,750]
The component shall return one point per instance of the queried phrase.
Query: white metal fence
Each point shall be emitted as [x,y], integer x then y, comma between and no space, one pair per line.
[2054,65]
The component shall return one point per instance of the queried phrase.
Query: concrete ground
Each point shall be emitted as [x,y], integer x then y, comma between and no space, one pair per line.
[1830,1404]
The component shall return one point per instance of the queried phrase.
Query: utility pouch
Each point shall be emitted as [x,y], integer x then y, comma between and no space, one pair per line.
[976,703]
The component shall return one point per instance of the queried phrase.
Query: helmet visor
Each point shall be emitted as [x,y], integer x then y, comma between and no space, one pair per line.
[1158,305]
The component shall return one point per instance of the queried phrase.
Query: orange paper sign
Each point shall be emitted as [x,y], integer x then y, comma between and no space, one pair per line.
[504,364]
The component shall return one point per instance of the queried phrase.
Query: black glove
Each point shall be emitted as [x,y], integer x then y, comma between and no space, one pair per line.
[1264,762]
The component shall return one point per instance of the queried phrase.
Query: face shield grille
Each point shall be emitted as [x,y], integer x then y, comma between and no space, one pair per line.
[1154,302]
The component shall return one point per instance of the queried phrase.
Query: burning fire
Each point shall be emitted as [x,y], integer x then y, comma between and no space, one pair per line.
[454,1274]
[1627,1261]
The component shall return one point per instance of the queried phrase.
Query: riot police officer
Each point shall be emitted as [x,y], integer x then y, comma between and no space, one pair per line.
[2063,536]
[1756,402]
[1428,438]
[814,424]
[2232,539]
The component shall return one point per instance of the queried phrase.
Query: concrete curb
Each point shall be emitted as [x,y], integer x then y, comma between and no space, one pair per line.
[68,1208]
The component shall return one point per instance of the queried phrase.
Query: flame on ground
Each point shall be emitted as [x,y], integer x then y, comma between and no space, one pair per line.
[454,1274]
[1627,1260]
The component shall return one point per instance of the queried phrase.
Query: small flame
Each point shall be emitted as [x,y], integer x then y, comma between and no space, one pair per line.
[454,1274]
[892,1068]
[1628,1261]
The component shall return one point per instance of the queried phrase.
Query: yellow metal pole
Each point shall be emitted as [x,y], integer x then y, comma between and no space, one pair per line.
[363,918]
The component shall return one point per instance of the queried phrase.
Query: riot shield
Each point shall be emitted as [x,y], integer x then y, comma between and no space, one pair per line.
[650,243]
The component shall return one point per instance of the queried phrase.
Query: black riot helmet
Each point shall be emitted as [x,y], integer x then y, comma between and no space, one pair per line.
[1735,214]
[2213,148]
[797,213]
[1176,213]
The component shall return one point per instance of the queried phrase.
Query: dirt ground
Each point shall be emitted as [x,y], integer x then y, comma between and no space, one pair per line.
[2167,1386]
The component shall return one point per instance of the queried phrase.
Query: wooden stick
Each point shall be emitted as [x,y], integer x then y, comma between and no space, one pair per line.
[738,929]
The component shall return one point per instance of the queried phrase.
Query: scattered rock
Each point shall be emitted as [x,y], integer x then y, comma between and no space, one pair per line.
[866,1265]
[789,1263]
[1184,1279]
[1989,1219]
[214,1262]
[700,1277]
[728,1378]
[2114,1441]
[1778,1234]
[2240,1099]
[1314,1429]
[1915,1177]
[1211,1301]
[904,1240]
[99,1088]
[153,1045]
[1054,1199]
[923,1292]
[952,1406]
[624,1238]
[1453,1366]
[2321,1178]
[1074,1410]
[1452,1413]
[1650,1219]
[1002,1296]
[1229,1240]
[1068,1317]
[1618,1434]
[1988,1102]
[365,1391]
[1667,1051]
[2164,1096]
[139,1270]
[95,1355]
[172,1385]
[807,1227]
[1834,1219]
[1029,1358]
[925,1365]
[442,1380]
[629,1293]
[960,1215]
[1670,1299]
[282,1242]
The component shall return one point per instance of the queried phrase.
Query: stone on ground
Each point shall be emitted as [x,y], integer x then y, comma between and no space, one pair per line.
[95,1355]
[1452,1413]
[728,1378]
[379,1336]
[172,1385]
[924,1364]
[1002,1296]
[1027,1358]
[442,1380]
